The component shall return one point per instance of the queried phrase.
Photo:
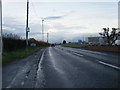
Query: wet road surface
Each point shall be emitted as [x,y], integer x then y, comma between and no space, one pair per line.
[61,67]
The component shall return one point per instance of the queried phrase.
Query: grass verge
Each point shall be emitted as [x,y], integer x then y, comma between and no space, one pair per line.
[18,54]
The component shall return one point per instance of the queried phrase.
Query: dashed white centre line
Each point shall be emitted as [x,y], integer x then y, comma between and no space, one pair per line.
[22,83]
[109,65]
[78,54]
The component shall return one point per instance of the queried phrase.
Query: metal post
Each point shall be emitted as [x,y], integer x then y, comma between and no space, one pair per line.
[42,30]
[1,45]
[1,42]
[27,24]
[47,37]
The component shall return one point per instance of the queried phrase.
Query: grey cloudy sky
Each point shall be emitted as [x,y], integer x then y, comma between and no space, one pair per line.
[63,20]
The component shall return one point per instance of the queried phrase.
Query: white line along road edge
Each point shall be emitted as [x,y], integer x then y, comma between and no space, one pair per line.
[40,73]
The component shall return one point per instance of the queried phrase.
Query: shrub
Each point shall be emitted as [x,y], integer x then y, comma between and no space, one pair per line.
[12,42]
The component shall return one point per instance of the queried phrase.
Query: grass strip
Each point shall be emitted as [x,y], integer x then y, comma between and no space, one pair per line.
[18,54]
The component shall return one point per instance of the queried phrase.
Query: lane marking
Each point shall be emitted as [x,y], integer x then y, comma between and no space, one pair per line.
[109,65]
[72,51]
[93,52]
[22,83]
[39,75]
[77,54]
[96,52]
[40,62]
[41,59]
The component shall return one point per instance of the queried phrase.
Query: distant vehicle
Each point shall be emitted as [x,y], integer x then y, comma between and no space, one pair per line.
[52,45]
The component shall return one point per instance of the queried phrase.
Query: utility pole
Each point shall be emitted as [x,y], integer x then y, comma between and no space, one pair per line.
[1,42]
[27,28]
[47,37]
[42,30]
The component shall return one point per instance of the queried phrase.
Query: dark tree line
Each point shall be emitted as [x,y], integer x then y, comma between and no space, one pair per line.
[12,42]
[38,43]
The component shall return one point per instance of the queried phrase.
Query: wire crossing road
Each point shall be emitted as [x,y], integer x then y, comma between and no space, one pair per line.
[61,67]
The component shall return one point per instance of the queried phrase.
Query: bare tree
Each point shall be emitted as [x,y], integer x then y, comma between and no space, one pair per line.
[111,35]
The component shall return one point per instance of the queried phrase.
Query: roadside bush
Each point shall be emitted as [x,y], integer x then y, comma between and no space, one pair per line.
[12,42]
[38,43]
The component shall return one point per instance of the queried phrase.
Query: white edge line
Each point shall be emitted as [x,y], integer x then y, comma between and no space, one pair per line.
[39,65]
[109,65]
[42,57]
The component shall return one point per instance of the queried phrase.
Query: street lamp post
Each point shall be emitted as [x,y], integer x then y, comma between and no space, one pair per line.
[27,28]
[1,43]
[42,30]
[47,37]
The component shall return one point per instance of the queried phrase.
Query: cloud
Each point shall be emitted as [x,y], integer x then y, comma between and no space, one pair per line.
[53,17]
[62,27]
[67,21]
[63,0]
[59,16]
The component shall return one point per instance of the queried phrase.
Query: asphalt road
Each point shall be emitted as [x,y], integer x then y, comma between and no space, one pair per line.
[61,67]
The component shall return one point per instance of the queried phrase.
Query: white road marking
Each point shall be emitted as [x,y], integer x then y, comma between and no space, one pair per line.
[96,52]
[74,52]
[109,65]
[26,76]
[39,66]
[22,83]
[41,58]
[88,51]
[77,54]
[39,71]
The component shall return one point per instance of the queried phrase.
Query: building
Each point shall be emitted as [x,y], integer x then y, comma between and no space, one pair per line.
[102,40]
[93,40]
